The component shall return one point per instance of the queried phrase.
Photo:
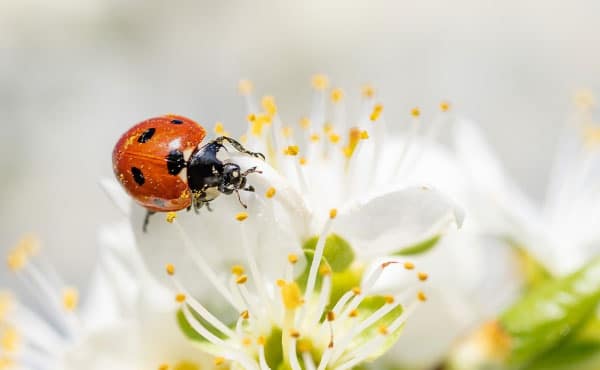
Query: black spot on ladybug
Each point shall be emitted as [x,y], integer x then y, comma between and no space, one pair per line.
[138,176]
[146,135]
[175,162]
[176,121]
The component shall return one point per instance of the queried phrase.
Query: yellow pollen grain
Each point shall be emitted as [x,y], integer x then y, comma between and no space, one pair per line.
[170,269]
[325,270]
[368,91]
[287,132]
[291,295]
[241,216]
[364,135]
[280,282]
[261,340]
[256,127]
[305,122]
[247,341]
[421,296]
[376,113]
[383,330]
[333,213]
[251,117]
[303,161]
[180,298]
[163,367]
[242,279]
[220,129]
[409,265]
[304,345]
[320,82]
[171,216]
[314,137]
[291,150]
[415,112]
[245,87]
[70,298]
[389,299]
[294,333]
[268,105]
[219,361]
[292,258]
[328,128]
[270,193]
[237,270]
[423,276]
[356,290]
[353,313]
[444,106]
[337,95]
[245,315]
[334,138]
[330,316]
[9,342]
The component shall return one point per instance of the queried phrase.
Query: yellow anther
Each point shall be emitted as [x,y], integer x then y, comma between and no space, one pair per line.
[180,298]
[6,305]
[320,82]
[270,193]
[364,135]
[333,213]
[304,345]
[245,87]
[303,161]
[70,298]
[170,269]
[354,136]
[247,341]
[328,128]
[241,216]
[305,122]
[251,117]
[337,95]
[220,129]
[409,265]
[9,342]
[444,106]
[242,279]
[356,290]
[261,340]
[389,299]
[292,258]
[422,297]
[6,363]
[386,264]
[330,315]
[291,150]
[325,270]
[245,315]
[353,313]
[256,126]
[422,276]
[244,139]
[29,244]
[415,112]
[280,282]
[376,113]
[171,216]
[287,132]
[16,259]
[591,136]
[294,333]
[334,138]
[237,270]
[314,137]
[368,91]
[291,295]
[163,367]
[383,330]
[268,105]
[219,361]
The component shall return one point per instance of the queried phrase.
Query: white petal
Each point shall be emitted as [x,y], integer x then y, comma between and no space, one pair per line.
[117,195]
[398,219]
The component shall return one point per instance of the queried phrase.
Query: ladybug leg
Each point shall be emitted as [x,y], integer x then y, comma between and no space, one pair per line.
[207,205]
[147,220]
[237,192]
[249,171]
[239,147]
[249,188]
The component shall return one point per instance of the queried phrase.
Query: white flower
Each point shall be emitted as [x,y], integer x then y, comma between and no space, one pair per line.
[565,232]
[116,327]
[292,280]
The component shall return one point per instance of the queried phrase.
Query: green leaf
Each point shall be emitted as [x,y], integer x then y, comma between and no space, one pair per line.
[337,251]
[420,247]
[550,312]
[577,354]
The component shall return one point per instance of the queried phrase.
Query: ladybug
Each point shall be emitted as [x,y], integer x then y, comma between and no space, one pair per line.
[162,163]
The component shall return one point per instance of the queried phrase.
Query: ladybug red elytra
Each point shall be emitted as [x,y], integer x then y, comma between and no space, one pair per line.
[163,166]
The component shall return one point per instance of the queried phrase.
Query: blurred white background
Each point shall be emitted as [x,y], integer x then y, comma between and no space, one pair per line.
[75,74]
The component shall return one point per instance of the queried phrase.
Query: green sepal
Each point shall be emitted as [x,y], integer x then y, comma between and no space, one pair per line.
[551,312]
[420,247]
[337,251]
